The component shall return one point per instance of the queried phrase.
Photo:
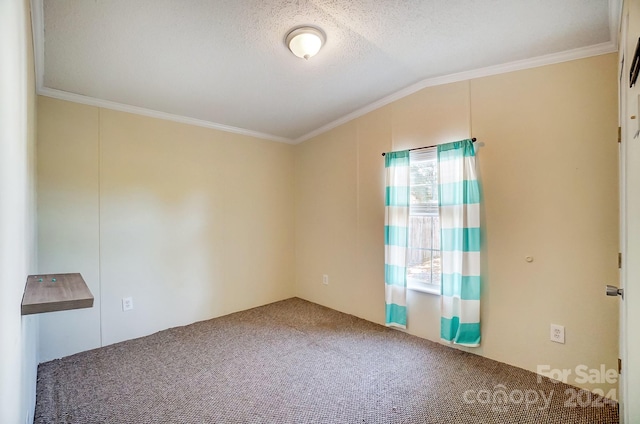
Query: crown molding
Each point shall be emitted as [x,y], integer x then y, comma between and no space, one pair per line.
[106,104]
[550,59]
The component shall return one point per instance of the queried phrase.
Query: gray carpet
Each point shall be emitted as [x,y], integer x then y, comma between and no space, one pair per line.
[296,362]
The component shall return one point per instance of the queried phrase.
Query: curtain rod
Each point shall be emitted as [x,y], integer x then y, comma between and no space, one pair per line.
[427,147]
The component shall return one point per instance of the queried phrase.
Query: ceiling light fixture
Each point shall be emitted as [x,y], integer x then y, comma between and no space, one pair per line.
[305,41]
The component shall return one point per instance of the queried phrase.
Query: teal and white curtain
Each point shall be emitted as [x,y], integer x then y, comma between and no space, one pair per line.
[459,205]
[396,232]
[459,210]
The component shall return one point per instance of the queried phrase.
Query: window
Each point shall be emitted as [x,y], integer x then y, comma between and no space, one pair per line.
[423,252]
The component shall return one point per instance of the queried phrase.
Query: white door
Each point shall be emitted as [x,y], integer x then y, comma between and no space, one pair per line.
[630,220]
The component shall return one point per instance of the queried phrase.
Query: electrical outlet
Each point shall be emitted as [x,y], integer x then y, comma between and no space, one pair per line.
[325,279]
[127,303]
[557,333]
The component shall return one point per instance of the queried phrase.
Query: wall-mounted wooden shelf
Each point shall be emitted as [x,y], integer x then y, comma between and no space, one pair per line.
[55,292]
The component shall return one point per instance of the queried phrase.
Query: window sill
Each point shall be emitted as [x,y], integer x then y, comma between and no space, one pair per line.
[422,288]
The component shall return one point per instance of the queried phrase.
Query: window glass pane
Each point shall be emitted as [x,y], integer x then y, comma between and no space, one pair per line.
[436,268]
[424,182]
[436,233]
[420,231]
[423,258]
[419,266]
[423,253]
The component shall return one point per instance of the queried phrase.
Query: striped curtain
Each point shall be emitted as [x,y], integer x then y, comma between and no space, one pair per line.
[396,230]
[459,204]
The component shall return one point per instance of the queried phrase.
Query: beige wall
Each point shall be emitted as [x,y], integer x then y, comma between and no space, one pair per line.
[68,221]
[18,334]
[192,223]
[549,175]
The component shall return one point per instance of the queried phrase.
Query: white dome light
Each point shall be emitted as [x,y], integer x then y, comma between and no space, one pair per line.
[305,42]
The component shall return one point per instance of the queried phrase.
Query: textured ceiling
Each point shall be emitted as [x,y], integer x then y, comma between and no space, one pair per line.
[225,62]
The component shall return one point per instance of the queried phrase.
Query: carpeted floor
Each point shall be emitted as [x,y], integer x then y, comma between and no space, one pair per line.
[297,362]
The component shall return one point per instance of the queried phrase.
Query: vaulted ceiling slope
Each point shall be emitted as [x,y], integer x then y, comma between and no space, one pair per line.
[224,64]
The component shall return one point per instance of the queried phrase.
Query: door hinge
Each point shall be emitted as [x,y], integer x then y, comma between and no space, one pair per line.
[619,366]
[619,134]
[619,260]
